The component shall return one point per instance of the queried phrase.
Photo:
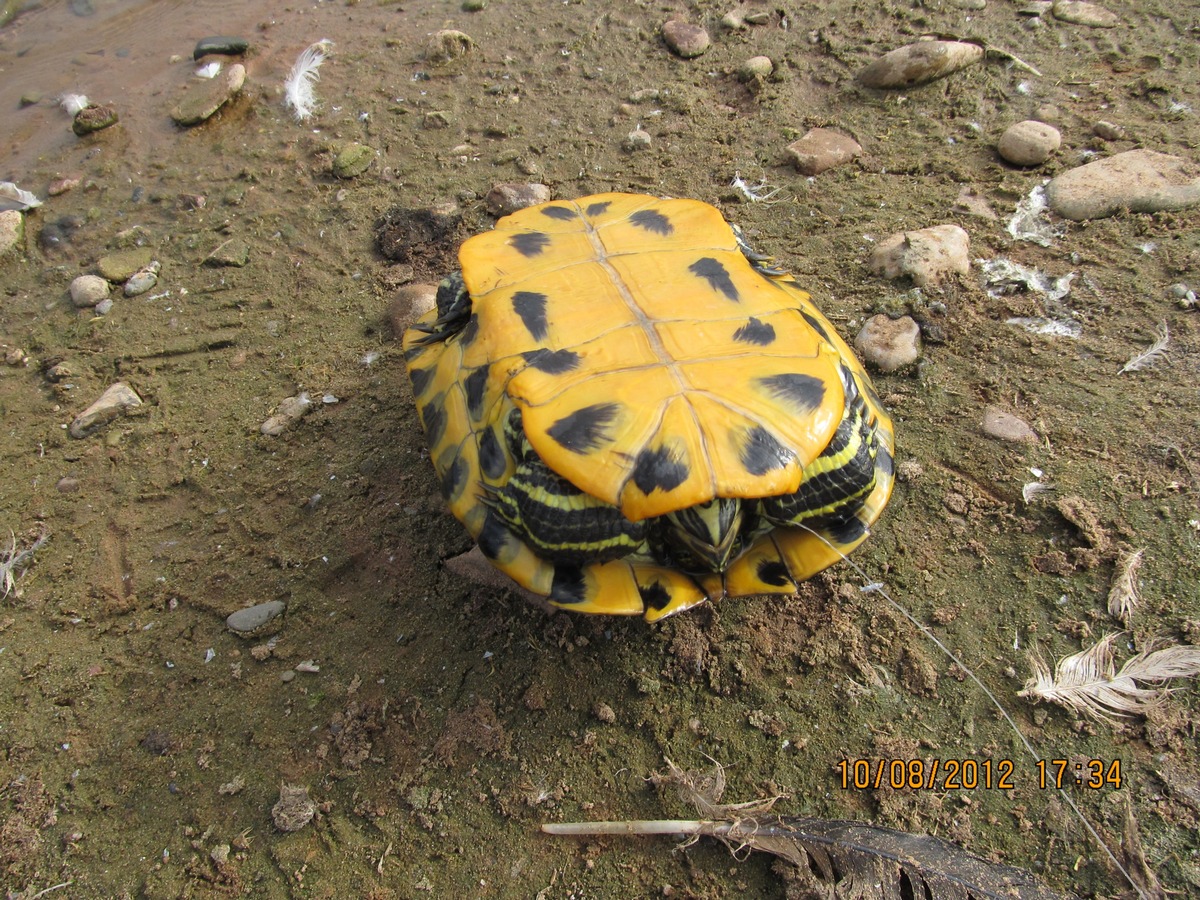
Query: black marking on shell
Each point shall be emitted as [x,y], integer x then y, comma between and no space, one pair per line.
[493,536]
[434,417]
[884,461]
[761,453]
[420,379]
[561,213]
[474,385]
[755,332]
[454,479]
[530,243]
[585,429]
[817,325]
[653,221]
[804,392]
[470,331]
[492,459]
[531,307]
[552,362]
[846,531]
[659,469]
[654,595]
[568,585]
[773,572]
[717,276]
[598,209]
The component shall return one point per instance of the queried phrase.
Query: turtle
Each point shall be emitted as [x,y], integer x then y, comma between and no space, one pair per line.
[633,413]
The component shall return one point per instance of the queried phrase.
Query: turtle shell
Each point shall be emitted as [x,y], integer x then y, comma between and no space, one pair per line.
[611,374]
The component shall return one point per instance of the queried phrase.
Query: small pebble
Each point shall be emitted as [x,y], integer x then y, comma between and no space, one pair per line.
[636,140]
[112,404]
[927,255]
[503,199]
[288,411]
[1005,426]
[889,344]
[1028,143]
[684,39]
[68,484]
[143,279]
[821,149]
[1108,131]
[287,675]
[60,186]
[252,619]
[1136,180]
[104,307]
[88,290]
[604,713]
[919,63]
[1079,12]
[755,67]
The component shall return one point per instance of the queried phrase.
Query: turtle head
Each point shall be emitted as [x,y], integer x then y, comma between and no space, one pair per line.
[705,537]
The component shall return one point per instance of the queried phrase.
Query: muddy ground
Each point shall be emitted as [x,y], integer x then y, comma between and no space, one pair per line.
[143,745]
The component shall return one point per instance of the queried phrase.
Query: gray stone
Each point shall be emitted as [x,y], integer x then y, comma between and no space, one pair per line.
[88,290]
[1137,180]
[113,403]
[1028,143]
[928,255]
[1004,426]
[1080,12]
[889,344]
[503,199]
[253,619]
[143,279]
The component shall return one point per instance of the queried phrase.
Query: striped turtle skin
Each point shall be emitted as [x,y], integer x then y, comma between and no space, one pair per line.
[632,414]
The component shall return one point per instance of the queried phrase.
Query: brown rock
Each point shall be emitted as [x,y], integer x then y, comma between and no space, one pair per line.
[685,39]
[919,63]
[822,149]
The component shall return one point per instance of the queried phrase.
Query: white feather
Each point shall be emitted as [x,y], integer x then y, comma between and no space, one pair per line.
[298,89]
[12,197]
[73,103]
[1151,354]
